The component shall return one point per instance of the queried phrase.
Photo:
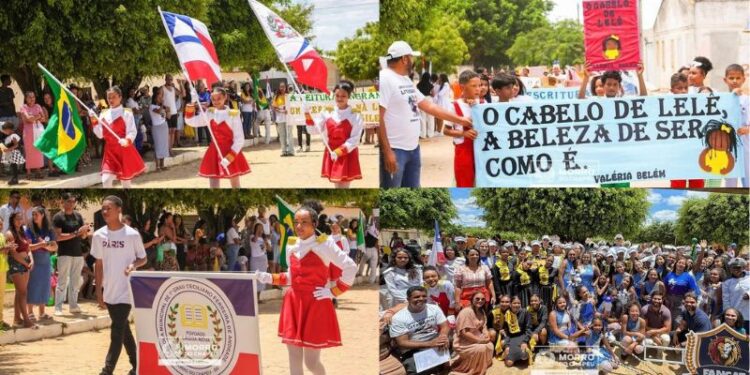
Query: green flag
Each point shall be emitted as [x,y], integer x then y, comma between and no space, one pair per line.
[361,231]
[286,218]
[262,103]
[63,141]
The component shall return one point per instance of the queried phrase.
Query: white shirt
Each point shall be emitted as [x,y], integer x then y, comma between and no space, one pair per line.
[732,292]
[170,100]
[466,109]
[156,115]
[400,98]
[256,247]
[117,249]
[266,225]
[329,253]
[422,326]
[232,236]
[110,115]
[339,115]
[228,116]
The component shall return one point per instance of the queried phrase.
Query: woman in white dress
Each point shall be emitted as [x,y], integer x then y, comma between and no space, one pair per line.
[443,99]
[159,128]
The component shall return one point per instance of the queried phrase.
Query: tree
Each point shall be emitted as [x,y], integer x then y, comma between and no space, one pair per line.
[562,41]
[415,208]
[493,25]
[662,232]
[573,214]
[357,57]
[721,218]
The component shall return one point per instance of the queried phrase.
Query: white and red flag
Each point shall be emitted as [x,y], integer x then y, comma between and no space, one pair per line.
[194,47]
[292,48]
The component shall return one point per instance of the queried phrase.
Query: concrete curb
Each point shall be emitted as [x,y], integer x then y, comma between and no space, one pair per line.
[93,179]
[19,335]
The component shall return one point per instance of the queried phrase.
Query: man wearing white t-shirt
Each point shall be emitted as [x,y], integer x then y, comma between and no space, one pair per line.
[398,133]
[171,92]
[118,250]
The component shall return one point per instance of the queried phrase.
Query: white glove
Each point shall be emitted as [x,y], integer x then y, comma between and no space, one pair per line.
[264,277]
[92,113]
[333,155]
[124,142]
[143,129]
[323,293]
[225,162]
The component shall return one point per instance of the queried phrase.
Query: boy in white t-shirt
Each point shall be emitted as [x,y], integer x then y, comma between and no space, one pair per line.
[463,138]
[398,133]
[118,250]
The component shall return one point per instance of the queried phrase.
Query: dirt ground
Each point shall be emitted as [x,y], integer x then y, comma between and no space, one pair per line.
[268,169]
[84,353]
[437,162]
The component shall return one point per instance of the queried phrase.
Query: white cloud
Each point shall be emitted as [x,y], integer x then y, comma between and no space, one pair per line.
[465,204]
[654,197]
[664,215]
[469,220]
[697,194]
[676,200]
[334,20]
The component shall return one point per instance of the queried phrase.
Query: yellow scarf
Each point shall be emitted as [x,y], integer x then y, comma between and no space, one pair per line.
[534,315]
[512,320]
[504,270]
[3,263]
[525,278]
[543,275]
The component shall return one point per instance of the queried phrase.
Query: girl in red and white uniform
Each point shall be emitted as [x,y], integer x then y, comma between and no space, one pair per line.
[343,128]
[226,126]
[308,319]
[440,292]
[121,160]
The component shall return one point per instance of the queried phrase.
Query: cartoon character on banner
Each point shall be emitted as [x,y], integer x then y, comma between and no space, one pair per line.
[611,47]
[721,148]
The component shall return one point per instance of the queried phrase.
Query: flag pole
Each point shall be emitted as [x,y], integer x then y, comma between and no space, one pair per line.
[294,82]
[194,92]
[104,123]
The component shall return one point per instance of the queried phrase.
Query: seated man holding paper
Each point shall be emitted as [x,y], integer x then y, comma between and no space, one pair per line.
[419,328]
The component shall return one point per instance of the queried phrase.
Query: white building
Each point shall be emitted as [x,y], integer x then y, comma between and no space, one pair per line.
[684,29]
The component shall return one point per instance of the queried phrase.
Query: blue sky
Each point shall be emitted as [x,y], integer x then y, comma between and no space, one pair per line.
[334,20]
[664,205]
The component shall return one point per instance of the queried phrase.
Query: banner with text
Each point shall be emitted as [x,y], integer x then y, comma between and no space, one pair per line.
[611,36]
[553,93]
[595,141]
[365,102]
[196,323]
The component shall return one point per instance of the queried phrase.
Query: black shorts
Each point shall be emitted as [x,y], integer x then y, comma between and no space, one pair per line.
[172,122]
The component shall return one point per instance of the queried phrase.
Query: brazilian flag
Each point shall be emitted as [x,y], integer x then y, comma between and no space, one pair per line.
[63,141]
[286,218]
[262,104]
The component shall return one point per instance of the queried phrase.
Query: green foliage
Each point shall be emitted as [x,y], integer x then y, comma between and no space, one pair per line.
[721,218]
[561,41]
[98,40]
[357,57]
[573,214]
[493,26]
[662,232]
[415,208]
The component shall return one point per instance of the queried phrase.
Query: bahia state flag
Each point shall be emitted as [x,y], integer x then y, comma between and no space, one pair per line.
[196,323]
[63,141]
[194,46]
[292,48]
[286,218]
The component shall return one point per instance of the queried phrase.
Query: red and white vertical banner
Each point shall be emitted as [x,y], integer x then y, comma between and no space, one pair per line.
[611,34]
[190,323]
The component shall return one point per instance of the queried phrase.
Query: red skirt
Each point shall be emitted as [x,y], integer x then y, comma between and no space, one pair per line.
[467,292]
[211,165]
[123,162]
[307,322]
[345,168]
[463,164]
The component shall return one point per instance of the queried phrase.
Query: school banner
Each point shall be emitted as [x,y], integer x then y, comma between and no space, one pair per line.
[365,102]
[553,93]
[190,323]
[602,141]
[611,34]
[721,350]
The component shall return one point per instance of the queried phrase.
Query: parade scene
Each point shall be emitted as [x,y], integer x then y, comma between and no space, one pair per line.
[546,93]
[626,281]
[69,289]
[183,95]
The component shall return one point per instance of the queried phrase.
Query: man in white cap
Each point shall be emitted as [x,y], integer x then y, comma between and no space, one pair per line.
[398,133]
[460,245]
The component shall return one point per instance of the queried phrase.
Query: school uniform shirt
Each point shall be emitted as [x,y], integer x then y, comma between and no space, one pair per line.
[117,249]
[123,162]
[465,112]
[342,128]
[400,97]
[226,127]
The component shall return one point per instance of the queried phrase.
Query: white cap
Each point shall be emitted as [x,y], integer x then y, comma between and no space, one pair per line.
[400,48]
[459,239]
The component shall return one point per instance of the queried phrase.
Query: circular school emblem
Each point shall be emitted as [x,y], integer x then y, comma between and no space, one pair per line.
[280,28]
[196,333]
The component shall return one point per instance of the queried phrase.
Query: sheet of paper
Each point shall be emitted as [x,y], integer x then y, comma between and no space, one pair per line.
[429,358]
